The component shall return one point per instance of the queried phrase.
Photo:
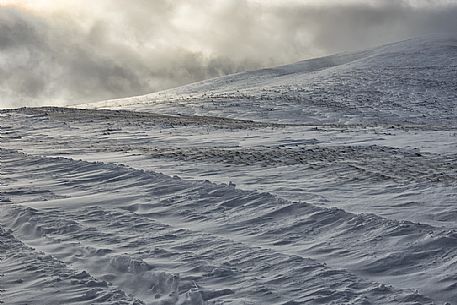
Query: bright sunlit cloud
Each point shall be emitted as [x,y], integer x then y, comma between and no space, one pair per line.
[32,4]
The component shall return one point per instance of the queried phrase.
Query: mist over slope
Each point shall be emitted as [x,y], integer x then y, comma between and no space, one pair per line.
[412,81]
[61,52]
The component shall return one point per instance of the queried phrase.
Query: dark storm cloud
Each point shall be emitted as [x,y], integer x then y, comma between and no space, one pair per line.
[356,26]
[123,48]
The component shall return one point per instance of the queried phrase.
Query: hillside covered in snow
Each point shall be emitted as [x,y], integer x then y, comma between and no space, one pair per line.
[328,181]
[410,82]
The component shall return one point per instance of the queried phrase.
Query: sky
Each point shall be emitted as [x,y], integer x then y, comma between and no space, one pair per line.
[57,52]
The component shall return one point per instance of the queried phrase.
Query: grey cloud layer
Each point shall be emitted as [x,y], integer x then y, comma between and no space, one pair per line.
[140,46]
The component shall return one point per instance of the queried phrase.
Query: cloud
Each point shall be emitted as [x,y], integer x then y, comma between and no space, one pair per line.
[67,52]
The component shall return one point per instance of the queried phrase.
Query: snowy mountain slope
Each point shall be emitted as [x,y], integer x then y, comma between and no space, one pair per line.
[412,82]
[315,200]
[356,207]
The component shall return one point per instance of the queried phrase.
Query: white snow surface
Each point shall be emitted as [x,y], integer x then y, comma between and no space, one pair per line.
[329,181]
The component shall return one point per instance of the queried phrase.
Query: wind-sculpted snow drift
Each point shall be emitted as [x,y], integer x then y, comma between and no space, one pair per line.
[339,189]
